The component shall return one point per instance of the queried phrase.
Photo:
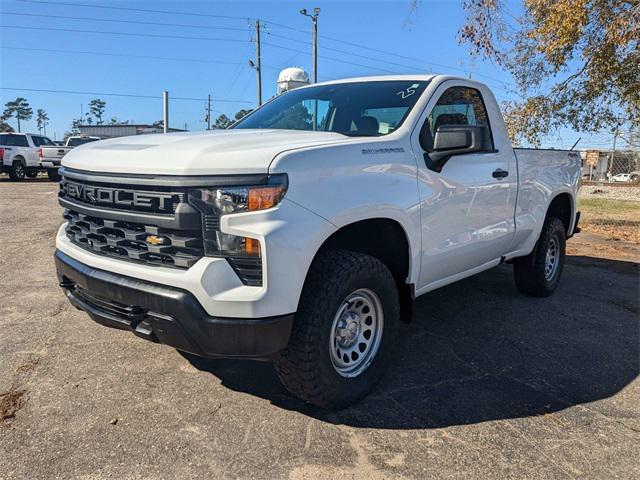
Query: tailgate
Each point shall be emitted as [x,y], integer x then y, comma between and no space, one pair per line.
[54,152]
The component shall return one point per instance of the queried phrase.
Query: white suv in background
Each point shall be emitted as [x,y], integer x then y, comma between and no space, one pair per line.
[19,154]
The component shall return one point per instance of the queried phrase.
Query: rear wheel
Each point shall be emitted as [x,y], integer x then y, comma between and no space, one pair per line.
[538,274]
[17,172]
[53,174]
[344,331]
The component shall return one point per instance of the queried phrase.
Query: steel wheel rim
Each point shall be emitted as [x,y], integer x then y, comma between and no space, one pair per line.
[552,259]
[356,333]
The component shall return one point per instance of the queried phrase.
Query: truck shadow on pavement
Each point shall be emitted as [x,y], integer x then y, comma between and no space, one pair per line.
[478,350]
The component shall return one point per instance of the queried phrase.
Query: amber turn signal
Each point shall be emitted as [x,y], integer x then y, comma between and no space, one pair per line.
[252,246]
[261,198]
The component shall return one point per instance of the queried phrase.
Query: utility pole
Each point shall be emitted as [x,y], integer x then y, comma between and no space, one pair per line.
[314,20]
[258,63]
[208,113]
[165,111]
[613,154]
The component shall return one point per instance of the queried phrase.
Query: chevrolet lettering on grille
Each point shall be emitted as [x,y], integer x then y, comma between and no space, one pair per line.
[117,197]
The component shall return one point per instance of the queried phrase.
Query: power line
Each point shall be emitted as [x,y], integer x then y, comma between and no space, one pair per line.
[348,62]
[125,55]
[244,30]
[384,52]
[193,38]
[143,10]
[129,95]
[150,35]
[372,49]
[357,45]
[288,27]
[439,65]
[363,56]
[137,22]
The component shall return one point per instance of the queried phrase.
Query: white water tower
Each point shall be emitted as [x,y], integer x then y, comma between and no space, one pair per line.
[290,78]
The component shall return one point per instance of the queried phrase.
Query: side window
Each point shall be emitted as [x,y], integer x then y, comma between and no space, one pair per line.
[37,141]
[388,118]
[459,106]
[10,140]
[21,141]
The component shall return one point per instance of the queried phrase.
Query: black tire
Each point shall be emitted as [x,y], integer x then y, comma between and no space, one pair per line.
[17,172]
[306,367]
[53,174]
[532,274]
[31,173]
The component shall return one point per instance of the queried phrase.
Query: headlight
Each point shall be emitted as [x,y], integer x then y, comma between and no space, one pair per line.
[225,200]
[215,202]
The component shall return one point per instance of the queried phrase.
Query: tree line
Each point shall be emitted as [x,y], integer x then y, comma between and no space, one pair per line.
[224,122]
[20,110]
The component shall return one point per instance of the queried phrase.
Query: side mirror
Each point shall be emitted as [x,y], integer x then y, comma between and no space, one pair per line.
[451,140]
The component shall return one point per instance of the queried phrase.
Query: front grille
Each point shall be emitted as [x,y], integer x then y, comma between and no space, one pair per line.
[144,198]
[153,223]
[134,241]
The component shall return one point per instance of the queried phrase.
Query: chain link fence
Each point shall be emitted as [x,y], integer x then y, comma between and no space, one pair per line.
[610,196]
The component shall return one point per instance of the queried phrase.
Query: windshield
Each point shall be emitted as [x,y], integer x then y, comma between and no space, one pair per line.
[355,109]
[74,142]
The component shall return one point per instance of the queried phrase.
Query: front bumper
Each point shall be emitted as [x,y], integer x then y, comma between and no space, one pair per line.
[168,315]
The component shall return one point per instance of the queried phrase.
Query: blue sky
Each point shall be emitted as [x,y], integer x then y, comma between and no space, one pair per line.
[214,59]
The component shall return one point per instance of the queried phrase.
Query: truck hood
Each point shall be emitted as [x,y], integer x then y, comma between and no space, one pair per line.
[214,152]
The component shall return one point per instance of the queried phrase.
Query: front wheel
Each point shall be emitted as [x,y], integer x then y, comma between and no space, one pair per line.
[538,274]
[343,332]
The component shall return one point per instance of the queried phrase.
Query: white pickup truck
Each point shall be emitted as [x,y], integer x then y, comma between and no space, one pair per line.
[19,154]
[51,155]
[303,234]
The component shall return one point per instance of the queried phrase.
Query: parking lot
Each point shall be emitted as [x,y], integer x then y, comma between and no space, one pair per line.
[487,383]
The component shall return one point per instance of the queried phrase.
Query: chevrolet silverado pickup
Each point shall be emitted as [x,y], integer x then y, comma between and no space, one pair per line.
[51,155]
[303,234]
[19,154]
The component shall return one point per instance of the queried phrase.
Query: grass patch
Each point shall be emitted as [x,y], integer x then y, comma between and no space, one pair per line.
[614,219]
[605,205]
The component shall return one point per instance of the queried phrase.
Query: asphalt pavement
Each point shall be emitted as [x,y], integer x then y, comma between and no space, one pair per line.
[487,383]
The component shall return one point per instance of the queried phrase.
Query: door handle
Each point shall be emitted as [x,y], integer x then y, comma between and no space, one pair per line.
[499,173]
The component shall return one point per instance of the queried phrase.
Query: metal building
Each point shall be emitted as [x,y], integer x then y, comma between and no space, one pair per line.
[121,130]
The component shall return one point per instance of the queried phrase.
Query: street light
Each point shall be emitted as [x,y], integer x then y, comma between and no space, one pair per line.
[314,19]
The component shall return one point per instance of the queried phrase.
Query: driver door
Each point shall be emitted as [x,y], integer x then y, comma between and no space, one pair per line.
[467,209]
